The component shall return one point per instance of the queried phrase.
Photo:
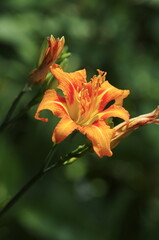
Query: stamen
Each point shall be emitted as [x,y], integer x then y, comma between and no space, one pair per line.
[88,99]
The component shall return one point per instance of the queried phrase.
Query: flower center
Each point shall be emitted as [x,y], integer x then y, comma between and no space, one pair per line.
[87,102]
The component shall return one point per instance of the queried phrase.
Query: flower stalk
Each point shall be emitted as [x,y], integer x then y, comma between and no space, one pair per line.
[13,106]
[49,164]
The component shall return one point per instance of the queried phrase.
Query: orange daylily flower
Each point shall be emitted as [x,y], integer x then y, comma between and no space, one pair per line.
[55,47]
[83,107]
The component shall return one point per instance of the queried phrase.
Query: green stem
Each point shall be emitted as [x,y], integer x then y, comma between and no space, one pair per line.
[36,99]
[24,189]
[68,159]
[13,107]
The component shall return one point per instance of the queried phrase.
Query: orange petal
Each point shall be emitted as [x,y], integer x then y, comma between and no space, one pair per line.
[108,93]
[53,102]
[100,135]
[114,111]
[64,128]
[69,83]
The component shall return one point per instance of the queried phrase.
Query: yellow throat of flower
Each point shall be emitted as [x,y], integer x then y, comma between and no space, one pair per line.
[87,101]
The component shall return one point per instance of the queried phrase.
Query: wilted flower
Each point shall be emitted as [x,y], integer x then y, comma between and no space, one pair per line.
[122,130]
[83,107]
[51,54]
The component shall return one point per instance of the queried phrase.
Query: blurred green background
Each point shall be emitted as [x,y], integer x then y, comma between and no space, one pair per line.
[92,199]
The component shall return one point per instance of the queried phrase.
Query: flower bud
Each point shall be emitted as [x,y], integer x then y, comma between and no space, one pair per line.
[51,54]
[122,130]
